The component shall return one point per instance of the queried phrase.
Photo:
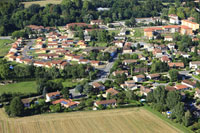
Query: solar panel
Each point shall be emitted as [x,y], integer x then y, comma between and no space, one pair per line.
[63,102]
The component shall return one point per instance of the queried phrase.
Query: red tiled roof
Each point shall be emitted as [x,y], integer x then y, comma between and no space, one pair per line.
[53,93]
[176,64]
[181,86]
[112,91]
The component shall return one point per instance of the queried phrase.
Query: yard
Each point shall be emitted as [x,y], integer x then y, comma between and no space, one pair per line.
[21,87]
[5,46]
[42,2]
[111,121]
[138,32]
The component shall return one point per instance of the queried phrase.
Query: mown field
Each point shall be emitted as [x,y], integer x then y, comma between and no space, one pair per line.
[21,87]
[42,2]
[5,46]
[131,120]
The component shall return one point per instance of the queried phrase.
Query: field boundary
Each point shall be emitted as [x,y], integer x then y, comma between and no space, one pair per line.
[168,121]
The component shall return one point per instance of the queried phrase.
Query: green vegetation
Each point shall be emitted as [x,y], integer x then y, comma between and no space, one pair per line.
[21,87]
[42,2]
[69,83]
[138,32]
[4,46]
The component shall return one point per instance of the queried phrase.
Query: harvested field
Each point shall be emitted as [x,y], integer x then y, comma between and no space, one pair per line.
[129,120]
[42,2]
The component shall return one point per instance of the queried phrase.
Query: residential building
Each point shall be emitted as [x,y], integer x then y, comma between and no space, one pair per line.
[153,76]
[181,87]
[120,72]
[173,19]
[112,92]
[66,103]
[139,78]
[190,24]
[129,61]
[52,96]
[194,64]
[98,86]
[176,64]
[189,83]
[111,102]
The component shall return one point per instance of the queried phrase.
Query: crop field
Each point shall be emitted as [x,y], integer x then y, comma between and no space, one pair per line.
[42,2]
[5,45]
[131,120]
[21,87]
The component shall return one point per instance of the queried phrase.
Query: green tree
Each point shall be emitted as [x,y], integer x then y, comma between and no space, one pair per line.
[4,69]
[173,97]
[160,94]
[16,107]
[179,111]
[65,92]
[173,73]
[187,120]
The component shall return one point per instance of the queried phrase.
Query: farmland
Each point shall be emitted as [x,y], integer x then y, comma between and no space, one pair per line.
[118,120]
[4,46]
[21,87]
[42,2]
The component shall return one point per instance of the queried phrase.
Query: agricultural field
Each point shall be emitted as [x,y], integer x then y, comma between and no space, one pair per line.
[5,45]
[108,121]
[42,2]
[21,87]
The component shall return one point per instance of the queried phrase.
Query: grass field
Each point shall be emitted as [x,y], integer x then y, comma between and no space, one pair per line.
[22,87]
[131,120]
[4,46]
[138,32]
[42,2]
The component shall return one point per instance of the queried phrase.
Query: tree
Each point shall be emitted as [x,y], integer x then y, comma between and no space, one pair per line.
[79,88]
[160,94]
[55,108]
[198,84]
[179,111]
[44,92]
[87,89]
[65,92]
[173,73]
[187,120]
[16,107]
[4,69]
[173,97]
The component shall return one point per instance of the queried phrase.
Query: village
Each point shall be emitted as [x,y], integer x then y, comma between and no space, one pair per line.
[136,65]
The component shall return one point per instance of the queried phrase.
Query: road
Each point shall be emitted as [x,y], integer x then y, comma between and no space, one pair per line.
[5,37]
[189,75]
[26,48]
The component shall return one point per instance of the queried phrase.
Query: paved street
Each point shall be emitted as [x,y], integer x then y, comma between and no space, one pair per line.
[26,48]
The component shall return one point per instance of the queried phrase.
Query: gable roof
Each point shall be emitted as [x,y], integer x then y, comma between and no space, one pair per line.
[53,94]
[112,91]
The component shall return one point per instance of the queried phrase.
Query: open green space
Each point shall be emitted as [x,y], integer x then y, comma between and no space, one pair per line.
[42,2]
[5,46]
[20,87]
[138,32]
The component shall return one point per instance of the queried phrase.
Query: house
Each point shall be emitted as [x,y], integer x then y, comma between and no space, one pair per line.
[151,32]
[129,61]
[39,45]
[173,19]
[27,61]
[83,61]
[157,52]
[19,59]
[66,103]
[27,102]
[171,46]
[112,50]
[69,56]
[99,86]
[153,76]
[144,91]
[112,92]
[127,50]
[52,96]
[185,30]
[129,86]
[197,93]
[120,72]
[181,87]
[11,58]
[141,57]
[87,38]
[129,82]
[165,59]
[95,63]
[189,83]
[176,64]
[39,63]
[82,25]
[96,22]
[197,72]
[194,64]
[168,38]
[122,32]
[139,78]
[105,103]
[190,24]
[170,88]
[140,70]
[171,28]
[119,43]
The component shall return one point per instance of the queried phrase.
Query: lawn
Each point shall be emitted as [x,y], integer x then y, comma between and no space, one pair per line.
[138,32]
[5,46]
[21,87]
[42,2]
[128,120]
